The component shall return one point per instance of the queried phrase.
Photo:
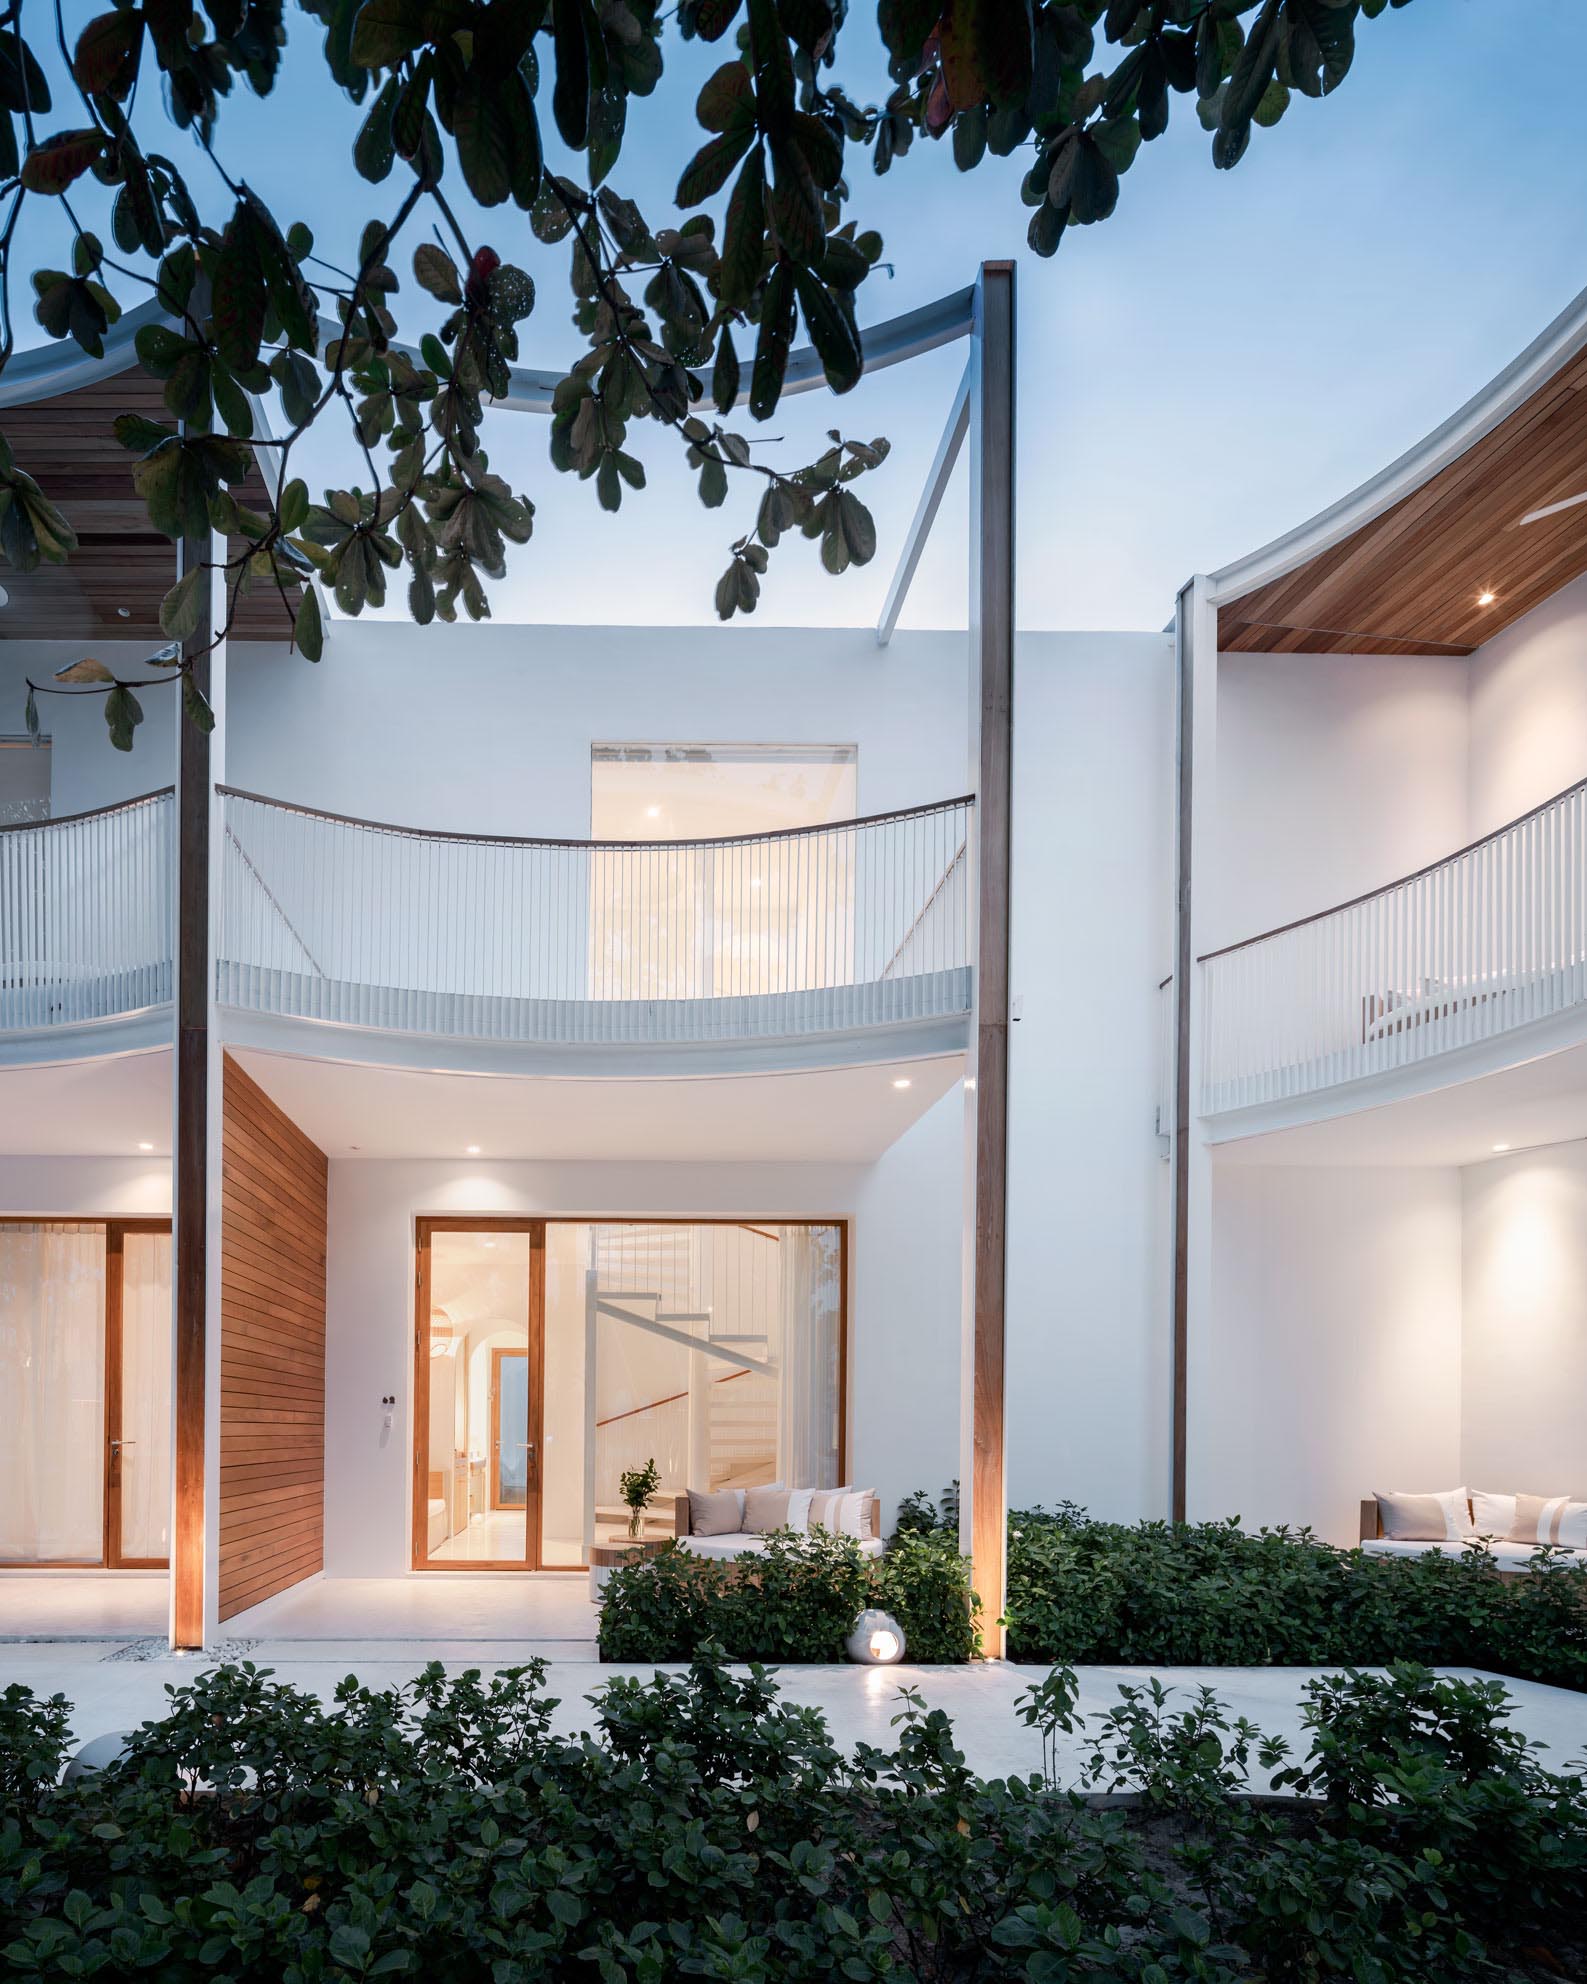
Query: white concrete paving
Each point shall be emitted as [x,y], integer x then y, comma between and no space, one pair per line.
[117,1688]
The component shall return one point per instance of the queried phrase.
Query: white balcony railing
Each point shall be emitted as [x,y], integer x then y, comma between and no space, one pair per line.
[86,915]
[475,937]
[1488,940]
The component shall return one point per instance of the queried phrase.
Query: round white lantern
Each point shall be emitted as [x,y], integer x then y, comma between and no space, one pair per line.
[877,1640]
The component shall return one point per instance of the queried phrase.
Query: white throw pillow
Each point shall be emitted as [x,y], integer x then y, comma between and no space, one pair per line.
[799,1500]
[1407,1517]
[854,1514]
[1491,1515]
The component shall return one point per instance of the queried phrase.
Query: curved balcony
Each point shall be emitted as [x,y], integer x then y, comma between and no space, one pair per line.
[1480,946]
[797,940]
[86,921]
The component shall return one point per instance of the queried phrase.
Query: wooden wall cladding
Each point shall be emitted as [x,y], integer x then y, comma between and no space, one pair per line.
[272,1354]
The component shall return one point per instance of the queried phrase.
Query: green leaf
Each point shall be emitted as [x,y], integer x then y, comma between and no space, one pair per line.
[85,670]
[387,30]
[240,298]
[570,96]
[773,344]
[727,102]
[183,606]
[375,148]
[293,504]
[123,714]
[195,704]
[832,333]
[309,632]
[725,374]
[435,271]
[707,172]
[713,483]
[744,238]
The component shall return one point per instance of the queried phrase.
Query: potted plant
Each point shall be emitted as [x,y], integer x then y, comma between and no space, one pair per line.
[638,1484]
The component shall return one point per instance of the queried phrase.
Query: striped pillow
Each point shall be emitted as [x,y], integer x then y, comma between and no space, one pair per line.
[825,1509]
[1437,1518]
[1554,1519]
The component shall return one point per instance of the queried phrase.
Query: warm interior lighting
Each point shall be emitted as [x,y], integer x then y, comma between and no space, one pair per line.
[969,1081]
[902,1082]
[1500,1147]
[146,1146]
[652,812]
[1486,598]
[472,1151]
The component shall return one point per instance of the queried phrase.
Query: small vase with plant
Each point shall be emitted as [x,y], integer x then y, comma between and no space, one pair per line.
[638,1484]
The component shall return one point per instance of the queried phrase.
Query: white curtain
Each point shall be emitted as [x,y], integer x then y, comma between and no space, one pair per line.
[52,1361]
[810,1265]
[146,1395]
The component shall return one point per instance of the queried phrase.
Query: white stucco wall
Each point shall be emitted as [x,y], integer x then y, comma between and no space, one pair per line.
[85,1187]
[903,1313]
[488,729]
[1087,1317]
[1334,775]
[1330,1362]
[1529,710]
[1525,1363]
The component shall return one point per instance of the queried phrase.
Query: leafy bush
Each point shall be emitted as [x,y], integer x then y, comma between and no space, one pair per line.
[440,1831]
[795,1600]
[1209,1595]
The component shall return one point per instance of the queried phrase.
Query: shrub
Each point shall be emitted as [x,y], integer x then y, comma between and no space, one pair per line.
[1209,1595]
[441,1831]
[795,1600]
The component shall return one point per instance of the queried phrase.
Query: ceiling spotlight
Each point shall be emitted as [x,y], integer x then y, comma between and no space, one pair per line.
[652,812]
[1486,598]
[902,1082]
[146,1146]
[123,612]
[489,1243]
[1498,1148]
[472,1151]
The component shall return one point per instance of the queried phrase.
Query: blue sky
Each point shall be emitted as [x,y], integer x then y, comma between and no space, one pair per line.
[1224,356]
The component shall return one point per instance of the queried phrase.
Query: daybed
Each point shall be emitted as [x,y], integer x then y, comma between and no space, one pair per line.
[1511,1529]
[857,1514]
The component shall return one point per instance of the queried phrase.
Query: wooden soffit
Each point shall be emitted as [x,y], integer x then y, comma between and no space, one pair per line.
[112,585]
[1408,581]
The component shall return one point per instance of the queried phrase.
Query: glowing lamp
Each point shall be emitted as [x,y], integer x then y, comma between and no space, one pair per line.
[877,1640]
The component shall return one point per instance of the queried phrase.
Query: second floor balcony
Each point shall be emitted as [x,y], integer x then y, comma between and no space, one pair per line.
[810,937]
[1484,951]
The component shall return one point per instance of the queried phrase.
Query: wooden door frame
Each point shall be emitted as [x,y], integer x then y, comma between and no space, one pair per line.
[425,1227]
[425,1230]
[116,1231]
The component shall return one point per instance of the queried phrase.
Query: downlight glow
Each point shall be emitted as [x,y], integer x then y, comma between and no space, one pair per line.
[1486,598]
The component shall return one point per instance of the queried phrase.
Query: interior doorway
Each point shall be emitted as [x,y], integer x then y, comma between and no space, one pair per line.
[85,1369]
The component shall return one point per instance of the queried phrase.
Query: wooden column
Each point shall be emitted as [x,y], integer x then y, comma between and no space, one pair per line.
[190,1541]
[992,427]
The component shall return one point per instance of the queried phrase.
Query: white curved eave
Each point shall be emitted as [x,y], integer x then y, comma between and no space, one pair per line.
[1520,379]
[45,371]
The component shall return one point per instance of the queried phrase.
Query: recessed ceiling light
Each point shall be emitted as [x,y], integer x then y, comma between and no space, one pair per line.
[652,812]
[490,1243]
[1486,598]
[146,1146]
[123,612]
[472,1151]
[902,1082]
[1500,1147]
[754,881]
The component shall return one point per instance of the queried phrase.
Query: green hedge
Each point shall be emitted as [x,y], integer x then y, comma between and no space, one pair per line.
[1209,1595]
[796,1600]
[441,1832]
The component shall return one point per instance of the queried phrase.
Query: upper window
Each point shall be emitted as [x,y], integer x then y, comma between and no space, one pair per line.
[708,791]
[24,780]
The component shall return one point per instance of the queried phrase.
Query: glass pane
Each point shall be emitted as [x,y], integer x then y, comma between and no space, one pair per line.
[145,1456]
[52,1360]
[716,1355]
[562,1476]
[475,1460]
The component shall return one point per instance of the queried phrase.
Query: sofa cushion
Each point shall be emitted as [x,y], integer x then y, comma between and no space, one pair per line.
[746,1545]
[718,1513]
[1441,1517]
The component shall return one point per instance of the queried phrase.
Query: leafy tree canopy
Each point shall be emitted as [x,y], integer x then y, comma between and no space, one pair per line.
[680,324]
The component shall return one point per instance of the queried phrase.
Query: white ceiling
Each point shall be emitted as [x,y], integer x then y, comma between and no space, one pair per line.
[1540,1102]
[843,1115]
[107,1107]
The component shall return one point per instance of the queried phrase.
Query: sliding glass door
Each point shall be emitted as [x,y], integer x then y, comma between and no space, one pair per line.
[85,1373]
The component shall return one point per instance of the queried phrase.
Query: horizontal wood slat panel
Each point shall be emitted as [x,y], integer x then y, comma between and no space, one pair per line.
[1408,581]
[272,1364]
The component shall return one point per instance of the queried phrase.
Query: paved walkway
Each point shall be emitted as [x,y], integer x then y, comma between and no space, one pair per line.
[118,1685]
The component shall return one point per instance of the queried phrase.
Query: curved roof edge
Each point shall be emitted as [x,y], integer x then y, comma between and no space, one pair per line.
[44,371]
[1554,348]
